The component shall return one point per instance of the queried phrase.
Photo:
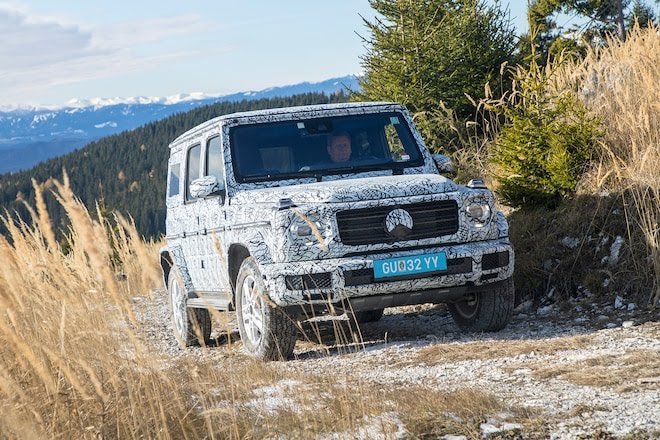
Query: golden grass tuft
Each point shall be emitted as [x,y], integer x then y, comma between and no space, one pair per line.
[634,370]
[446,353]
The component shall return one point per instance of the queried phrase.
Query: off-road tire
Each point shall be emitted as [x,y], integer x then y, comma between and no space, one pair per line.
[190,326]
[369,315]
[488,311]
[278,331]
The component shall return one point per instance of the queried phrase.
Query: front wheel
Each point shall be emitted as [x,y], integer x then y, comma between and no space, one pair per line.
[485,311]
[191,326]
[266,331]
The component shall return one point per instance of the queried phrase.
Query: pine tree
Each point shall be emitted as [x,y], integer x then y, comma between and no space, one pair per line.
[430,54]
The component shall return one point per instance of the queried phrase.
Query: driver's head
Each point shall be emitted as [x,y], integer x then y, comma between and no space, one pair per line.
[339,147]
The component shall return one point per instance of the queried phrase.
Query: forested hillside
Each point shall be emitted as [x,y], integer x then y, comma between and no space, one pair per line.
[126,172]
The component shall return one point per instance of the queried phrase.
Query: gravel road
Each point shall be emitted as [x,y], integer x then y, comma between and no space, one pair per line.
[590,369]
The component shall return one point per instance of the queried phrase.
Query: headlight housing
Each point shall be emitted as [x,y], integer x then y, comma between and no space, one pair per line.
[478,213]
[308,227]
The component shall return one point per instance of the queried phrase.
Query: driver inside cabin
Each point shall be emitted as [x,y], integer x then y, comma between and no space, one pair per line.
[339,147]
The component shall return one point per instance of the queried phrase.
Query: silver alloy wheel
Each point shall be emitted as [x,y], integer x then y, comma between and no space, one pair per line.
[252,308]
[179,312]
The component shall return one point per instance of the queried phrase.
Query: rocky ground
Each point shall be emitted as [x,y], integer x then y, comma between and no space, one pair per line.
[584,370]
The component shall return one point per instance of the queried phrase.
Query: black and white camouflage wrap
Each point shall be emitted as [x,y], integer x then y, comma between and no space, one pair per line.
[201,232]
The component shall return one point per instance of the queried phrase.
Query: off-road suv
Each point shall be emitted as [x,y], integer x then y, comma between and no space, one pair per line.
[295,212]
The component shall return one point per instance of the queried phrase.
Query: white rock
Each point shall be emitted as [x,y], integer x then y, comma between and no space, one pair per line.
[627,324]
[453,437]
[487,430]
[545,311]
[524,306]
[632,306]
[570,242]
[511,426]
[615,249]
[618,302]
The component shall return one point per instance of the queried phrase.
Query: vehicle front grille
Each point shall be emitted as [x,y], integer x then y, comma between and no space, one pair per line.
[367,225]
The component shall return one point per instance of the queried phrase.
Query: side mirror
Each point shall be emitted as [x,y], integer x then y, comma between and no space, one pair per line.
[204,187]
[444,164]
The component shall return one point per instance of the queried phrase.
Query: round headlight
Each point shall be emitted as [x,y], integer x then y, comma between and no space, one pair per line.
[479,212]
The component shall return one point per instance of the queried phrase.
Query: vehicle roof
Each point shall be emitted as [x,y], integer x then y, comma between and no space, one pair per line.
[273,112]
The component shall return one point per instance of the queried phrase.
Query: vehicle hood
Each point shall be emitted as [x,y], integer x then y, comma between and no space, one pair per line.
[350,190]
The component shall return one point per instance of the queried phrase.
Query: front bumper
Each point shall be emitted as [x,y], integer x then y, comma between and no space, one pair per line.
[319,282]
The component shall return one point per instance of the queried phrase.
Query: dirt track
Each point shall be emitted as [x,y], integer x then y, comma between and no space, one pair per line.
[585,374]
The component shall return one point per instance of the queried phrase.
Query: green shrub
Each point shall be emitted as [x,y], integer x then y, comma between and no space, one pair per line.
[547,141]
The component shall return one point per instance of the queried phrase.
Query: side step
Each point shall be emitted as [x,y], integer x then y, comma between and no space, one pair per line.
[210,301]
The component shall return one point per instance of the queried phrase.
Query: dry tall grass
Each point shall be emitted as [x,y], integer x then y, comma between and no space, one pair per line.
[621,84]
[73,363]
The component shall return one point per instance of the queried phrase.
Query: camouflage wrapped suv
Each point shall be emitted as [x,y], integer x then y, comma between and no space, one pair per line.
[295,212]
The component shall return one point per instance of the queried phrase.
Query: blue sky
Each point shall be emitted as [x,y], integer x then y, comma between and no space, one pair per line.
[55,51]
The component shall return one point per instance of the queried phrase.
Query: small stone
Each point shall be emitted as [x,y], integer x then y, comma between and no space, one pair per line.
[602,318]
[581,320]
[570,242]
[453,437]
[611,325]
[627,324]
[632,306]
[606,282]
[618,302]
[545,311]
[524,306]
[511,427]
[487,430]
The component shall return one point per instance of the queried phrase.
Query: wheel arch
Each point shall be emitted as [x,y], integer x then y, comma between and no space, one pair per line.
[166,263]
[236,255]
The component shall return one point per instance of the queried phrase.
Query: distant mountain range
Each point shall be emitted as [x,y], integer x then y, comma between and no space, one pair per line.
[31,135]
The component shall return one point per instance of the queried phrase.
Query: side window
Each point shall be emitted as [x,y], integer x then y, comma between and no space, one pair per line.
[192,167]
[174,177]
[214,160]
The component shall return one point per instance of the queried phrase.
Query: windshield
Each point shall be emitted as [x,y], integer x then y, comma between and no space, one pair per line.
[321,146]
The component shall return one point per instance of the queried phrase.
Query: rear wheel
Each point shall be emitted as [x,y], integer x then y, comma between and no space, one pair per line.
[369,315]
[485,311]
[191,326]
[266,331]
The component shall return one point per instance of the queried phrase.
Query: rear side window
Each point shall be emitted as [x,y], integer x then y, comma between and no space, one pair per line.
[192,167]
[174,178]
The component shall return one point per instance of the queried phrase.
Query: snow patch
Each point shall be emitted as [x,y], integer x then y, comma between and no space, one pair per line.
[112,124]
[271,399]
[42,118]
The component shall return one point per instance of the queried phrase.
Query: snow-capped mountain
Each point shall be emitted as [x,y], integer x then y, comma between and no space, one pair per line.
[31,135]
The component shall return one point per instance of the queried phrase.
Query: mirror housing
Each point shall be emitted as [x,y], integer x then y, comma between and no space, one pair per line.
[204,187]
[444,164]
